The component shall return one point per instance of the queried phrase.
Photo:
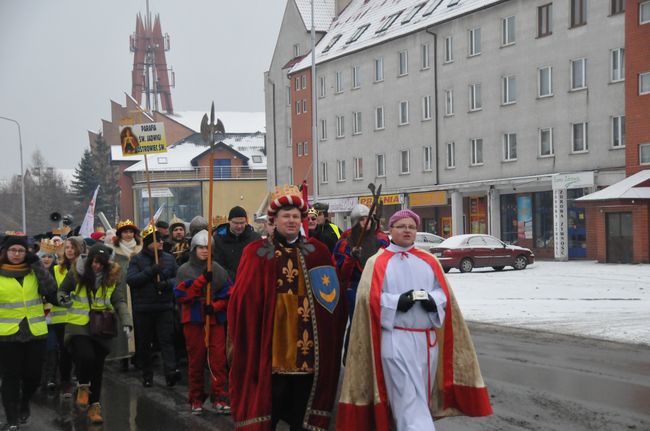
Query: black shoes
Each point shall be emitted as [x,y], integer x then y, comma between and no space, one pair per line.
[173,378]
[25,414]
[147,383]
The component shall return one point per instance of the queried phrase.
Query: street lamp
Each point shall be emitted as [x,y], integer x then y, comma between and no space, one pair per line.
[22,173]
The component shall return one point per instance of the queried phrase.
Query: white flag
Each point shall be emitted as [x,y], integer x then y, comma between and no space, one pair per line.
[156,216]
[88,226]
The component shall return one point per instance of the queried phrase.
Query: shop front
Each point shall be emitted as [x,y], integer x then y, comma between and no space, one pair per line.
[476,209]
[434,210]
[183,201]
[339,210]
[391,204]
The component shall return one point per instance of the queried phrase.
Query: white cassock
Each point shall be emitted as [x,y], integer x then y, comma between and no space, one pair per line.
[409,349]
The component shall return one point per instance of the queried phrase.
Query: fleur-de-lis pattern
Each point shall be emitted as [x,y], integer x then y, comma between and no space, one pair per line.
[305,344]
[305,311]
[289,271]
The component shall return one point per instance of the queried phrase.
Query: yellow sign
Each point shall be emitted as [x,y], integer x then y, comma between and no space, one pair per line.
[143,139]
[385,199]
[427,199]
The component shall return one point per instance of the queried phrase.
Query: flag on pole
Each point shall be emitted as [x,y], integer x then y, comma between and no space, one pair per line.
[88,225]
[157,214]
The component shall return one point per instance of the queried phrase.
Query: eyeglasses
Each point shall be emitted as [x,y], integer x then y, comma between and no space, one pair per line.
[405,227]
[312,218]
[16,250]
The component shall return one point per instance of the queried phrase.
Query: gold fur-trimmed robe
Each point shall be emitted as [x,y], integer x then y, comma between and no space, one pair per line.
[459,388]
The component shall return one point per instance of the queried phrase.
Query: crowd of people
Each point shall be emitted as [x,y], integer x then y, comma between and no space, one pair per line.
[277,318]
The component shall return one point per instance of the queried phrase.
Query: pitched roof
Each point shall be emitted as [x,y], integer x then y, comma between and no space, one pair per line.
[636,186]
[384,20]
[324,12]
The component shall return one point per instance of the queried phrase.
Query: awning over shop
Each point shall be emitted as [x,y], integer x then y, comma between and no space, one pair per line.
[636,186]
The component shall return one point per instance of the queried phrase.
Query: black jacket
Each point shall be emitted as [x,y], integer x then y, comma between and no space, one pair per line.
[325,234]
[146,293]
[228,247]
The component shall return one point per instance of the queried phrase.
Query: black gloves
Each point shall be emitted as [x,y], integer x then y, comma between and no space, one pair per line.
[429,305]
[208,276]
[356,252]
[31,258]
[405,301]
[208,309]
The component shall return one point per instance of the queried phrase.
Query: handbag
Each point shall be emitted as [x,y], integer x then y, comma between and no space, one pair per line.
[103,323]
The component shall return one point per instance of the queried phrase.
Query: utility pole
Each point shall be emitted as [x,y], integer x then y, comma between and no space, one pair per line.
[22,172]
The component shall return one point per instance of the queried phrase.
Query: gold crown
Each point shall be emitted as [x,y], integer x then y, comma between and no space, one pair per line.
[125,223]
[285,190]
[312,211]
[61,231]
[47,246]
[147,231]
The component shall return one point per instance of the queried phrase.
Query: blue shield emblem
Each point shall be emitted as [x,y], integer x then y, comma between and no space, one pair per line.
[325,286]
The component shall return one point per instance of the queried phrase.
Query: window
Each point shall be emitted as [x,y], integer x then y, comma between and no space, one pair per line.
[579,74]
[426,108]
[388,22]
[618,65]
[544,17]
[618,132]
[379,69]
[508,31]
[403,113]
[432,7]
[616,7]
[257,159]
[380,165]
[427,158]
[449,103]
[339,82]
[644,83]
[356,123]
[323,130]
[405,162]
[425,62]
[331,43]
[356,78]
[323,173]
[299,149]
[288,96]
[296,50]
[340,126]
[403,63]
[475,102]
[545,81]
[451,155]
[289,136]
[305,148]
[409,16]
[304,105]
[578,12]
[379,118]
[579,138]
[297,83]
[303,81]
[298,107]
[510,146]
[644,12]
[545,142]
[322,86]
[508,90]
[476,152]
[358,33]
[340,170]
[474,41]
[358,168]
[449,49]
[644,154]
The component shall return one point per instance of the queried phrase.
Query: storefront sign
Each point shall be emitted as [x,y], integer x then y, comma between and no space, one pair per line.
[340,205]
[427,199]
[560,224]
[524,217]
[579,180]
[158,193]
[385,199]
[143,139]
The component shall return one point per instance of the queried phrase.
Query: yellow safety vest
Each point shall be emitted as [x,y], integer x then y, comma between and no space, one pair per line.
[19,302]
[82,304]
[59,314]
[336,230]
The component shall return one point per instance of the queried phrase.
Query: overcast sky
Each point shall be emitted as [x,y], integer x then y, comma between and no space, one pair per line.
[61,62]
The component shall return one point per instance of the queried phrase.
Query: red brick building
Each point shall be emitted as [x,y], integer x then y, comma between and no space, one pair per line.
[301,122]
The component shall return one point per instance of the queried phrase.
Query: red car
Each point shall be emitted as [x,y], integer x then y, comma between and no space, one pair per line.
[467,252]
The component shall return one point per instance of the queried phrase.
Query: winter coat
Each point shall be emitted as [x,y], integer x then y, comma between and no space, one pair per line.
[147,293]
[325,233]
[229,247]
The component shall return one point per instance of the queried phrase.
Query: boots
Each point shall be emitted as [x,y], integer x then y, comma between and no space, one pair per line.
[83,394]
[95,414]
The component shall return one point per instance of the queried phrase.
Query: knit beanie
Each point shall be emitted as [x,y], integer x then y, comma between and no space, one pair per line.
[14,240]
[236,212]
[101,253]
[403,214]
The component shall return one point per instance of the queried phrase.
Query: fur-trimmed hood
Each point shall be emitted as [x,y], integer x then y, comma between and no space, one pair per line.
[113,275]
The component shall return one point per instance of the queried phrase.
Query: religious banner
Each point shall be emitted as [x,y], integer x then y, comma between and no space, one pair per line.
[143,139]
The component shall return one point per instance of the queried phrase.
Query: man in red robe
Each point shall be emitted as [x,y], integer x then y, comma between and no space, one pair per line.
[286,321]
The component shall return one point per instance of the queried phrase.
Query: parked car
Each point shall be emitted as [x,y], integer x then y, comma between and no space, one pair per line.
[467,252]
[426,240]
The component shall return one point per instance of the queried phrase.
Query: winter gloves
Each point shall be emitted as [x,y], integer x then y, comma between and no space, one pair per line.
[406,301]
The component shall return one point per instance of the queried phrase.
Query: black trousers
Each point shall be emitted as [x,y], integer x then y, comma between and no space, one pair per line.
[88,356]
[161,325]
[21,365]
[289,395]
[65,361]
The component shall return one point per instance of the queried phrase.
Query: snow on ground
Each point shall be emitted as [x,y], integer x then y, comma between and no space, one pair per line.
[583,298]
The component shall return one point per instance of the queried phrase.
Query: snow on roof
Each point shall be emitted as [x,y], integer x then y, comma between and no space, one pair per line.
[383,20]
[116,155]
[324,12]
[233,122]
[626,189]
[251,146]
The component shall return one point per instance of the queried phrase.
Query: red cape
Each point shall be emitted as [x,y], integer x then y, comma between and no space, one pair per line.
[250,330]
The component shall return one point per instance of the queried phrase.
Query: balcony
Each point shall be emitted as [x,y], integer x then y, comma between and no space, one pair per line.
[201,173]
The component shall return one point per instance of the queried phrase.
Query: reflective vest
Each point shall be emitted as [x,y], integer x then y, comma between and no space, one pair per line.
[19,302]
[336,230]
[82,304]
[59,314]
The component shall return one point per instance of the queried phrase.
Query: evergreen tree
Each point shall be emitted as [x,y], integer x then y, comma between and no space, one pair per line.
[109,191]
[85,178]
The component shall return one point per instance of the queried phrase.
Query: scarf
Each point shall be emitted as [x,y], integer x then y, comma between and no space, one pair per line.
[10,270]
[128,247]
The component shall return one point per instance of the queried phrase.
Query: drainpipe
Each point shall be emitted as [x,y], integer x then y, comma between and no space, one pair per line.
[275,136]
[435,97]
